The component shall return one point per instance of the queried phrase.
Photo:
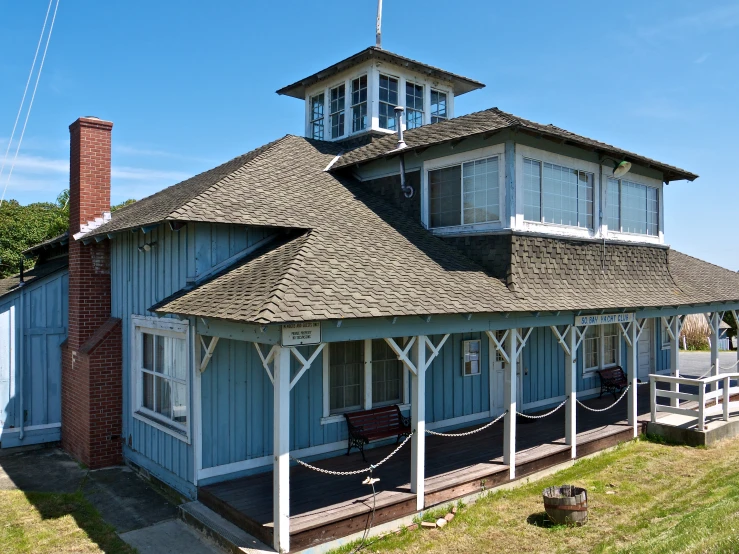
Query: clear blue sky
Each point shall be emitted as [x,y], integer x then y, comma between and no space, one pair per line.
[190,84]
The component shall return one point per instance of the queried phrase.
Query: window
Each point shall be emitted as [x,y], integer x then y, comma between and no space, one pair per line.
[316,116]
[601,347]
[632,208]
[464,194]
[161,364]
[388,101]
[387,374]
[471,364]
[557,194]
[413,105]
[359,104]
[361,374]
[665,335]
[438,106]
[337,96]
[346,361]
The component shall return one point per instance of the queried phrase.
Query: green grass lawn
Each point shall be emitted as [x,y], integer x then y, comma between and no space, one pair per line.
[40,522]
[664,499]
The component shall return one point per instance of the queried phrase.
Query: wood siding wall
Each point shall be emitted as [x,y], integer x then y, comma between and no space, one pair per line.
[44,328]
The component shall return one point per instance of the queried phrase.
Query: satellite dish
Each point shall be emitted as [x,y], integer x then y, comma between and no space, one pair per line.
[622,168]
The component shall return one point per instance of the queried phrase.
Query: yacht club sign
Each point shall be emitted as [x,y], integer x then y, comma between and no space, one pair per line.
[603,319]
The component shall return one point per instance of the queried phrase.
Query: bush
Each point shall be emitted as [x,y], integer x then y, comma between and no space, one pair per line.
[696,332]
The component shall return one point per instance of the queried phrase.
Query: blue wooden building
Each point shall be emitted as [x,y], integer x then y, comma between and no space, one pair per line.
[461,267]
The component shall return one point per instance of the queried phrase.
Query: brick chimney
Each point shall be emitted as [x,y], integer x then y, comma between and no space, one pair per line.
[92,356]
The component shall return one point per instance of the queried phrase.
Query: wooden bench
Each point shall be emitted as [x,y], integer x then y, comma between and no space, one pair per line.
[612,380]
[375,424]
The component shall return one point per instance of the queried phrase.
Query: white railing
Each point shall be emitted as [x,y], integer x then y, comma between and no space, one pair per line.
[719,399]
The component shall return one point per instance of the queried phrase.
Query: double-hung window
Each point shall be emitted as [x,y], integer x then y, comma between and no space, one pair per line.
[413,105]
[464,194]
[160,362]
[316,116]
[438,106]
[347,380]
[337,96]
[632,207]
[600,347]
[359,104]
[388,101]
[557,194]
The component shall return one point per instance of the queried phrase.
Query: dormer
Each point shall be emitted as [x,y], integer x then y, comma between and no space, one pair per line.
[358,95]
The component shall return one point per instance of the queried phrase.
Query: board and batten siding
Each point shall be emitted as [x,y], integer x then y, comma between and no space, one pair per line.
[45,318]
[140,280]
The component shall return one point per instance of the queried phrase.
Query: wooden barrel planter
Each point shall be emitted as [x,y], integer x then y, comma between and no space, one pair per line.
[566,505]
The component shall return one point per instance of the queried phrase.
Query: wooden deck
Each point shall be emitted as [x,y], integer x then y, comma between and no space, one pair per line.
[325,507]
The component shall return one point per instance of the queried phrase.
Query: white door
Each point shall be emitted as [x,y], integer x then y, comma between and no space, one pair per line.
[646,351]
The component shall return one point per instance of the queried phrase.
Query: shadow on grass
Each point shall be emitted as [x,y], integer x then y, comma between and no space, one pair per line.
[540,519]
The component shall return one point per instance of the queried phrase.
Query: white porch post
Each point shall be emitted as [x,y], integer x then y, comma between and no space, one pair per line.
[281,441]
[418,421]
[632,352]
[509,403]
[571,392]
[675,357]
[715,322]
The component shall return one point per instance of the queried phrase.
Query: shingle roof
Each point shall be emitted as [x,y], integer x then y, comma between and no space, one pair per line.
[10,284]
[461,84]
[55,241]
[361,257]
[488,121]
[165,204]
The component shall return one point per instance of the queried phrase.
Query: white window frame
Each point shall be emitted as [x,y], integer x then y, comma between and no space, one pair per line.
[601,351]
[165,327]
[522,152]
[433,115]
[367,103]
[639,180]
[664,335]
[311,120]
[337,417]
[342,111]
[458,159]
[424,109]
[401,98]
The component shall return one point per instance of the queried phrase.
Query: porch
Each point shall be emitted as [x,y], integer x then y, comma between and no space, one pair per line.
[325,507]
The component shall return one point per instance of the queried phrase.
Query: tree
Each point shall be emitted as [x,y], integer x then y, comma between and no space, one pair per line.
[22,227]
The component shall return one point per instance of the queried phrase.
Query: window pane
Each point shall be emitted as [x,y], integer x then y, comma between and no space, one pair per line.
[346,361]
[388,101]
[445,200]
[414,105]
[179,403]
[337,100]
[316,118]
[613,206]
[480,191]
[652,211]
[438,106]
[610,345]
[148,354]
[633,208]
[532,190]
[359,104]
[386,374]
[585,193]
[159,354]
[163,397]
[591,348]
[147,395]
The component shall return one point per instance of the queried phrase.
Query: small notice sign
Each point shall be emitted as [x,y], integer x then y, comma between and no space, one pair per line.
[603,319]
[295,334]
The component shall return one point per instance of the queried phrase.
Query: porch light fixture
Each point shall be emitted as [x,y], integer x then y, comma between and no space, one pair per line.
[622,168]
[147,246]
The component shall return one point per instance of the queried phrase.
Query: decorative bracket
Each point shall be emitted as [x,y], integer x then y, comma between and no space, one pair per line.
[209,349]
[305,363]
[267,360]
[561,337]
[500,345]
[402,353]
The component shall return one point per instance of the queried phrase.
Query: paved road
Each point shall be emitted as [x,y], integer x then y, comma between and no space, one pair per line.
[697,363]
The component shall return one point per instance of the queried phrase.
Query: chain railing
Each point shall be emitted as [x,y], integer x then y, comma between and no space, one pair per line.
[542,416]
[612,405]
[468,433]
[369,469]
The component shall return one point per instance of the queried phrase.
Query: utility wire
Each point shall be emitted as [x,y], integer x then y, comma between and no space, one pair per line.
[33,96]
[25,91]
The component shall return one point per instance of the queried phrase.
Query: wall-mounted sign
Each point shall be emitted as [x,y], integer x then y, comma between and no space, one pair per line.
[295,334]
[603,319]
